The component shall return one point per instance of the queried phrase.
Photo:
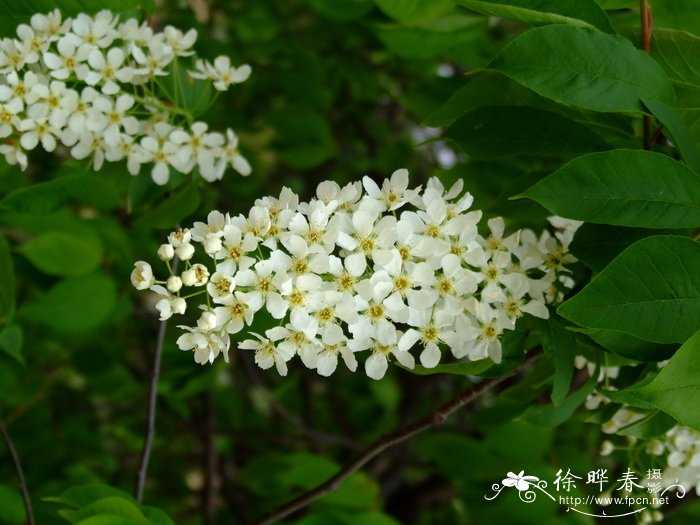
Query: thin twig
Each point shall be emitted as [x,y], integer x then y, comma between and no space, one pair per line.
[20,473]
[152,403]
[388,440]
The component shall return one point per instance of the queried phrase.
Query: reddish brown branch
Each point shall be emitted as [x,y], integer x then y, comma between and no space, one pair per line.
[388,440]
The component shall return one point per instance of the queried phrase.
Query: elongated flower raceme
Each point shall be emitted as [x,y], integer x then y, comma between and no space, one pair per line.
[112,90]
[383,272]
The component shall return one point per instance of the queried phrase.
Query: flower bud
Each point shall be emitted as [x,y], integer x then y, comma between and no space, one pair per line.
[185,251]
[179,305]
[174,284]
[212,245]
[166,252]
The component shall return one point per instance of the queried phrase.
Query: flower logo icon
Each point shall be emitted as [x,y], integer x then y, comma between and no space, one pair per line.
[519,481]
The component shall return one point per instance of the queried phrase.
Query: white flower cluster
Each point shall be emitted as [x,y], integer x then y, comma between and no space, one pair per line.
[90,84]
[384,270]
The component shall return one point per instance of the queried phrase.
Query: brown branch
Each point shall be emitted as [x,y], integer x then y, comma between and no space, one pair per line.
[647,24]
[388,440]
[20,473]
[152,404]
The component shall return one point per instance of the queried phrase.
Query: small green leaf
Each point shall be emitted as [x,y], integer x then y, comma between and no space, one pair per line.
[433,38]
[577,13]
[623,188]
[553,415]
[651,291]
[492,132]
[62,253]
[110,506]
[11,338]
[84,495]
[679,132]
[578,67]
[46,197]
[559,346]
[156,516]
[7,290]
[172,209]
[676,390]
[11,505]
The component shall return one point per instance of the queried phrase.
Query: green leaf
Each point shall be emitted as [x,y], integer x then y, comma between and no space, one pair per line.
[559,346]
[412,11]
[105,520]
[11,338]
[84,495]
[676,390]
[110,506]
[553,415]
[651,291]
[491,132]
[11,505]
[582,68]
[7,290]
[631,347]
[597,244]
[62,253]
[577,13]
[678,53]
[156,516]
[654,425]
[433,38]
[46,197]
[623,188]
[678,131]
[305,139]
[76,304]
[172,209]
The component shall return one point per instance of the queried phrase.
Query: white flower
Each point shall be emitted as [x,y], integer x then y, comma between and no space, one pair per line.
[197,275]
[221,72]
[267,354]
[69,61]
[142,276]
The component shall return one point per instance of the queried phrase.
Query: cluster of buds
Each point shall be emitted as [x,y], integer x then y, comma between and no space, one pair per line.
[91,85]
[383,270]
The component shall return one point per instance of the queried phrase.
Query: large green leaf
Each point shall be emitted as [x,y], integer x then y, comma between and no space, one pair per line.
[595,245]
[625,188]
[491,132]
[494,89]
[412,11]
[676,390]
[630,347]
[76,305]
[578,13]
[651,291]
[62,253]
[46,197]
[172,209]
[7,290]
[583,68]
